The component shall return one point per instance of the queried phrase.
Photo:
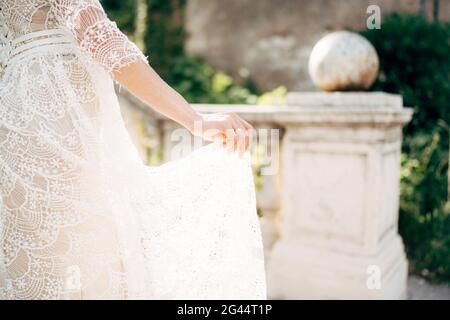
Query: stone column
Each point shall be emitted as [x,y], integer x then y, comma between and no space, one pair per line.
[340,200]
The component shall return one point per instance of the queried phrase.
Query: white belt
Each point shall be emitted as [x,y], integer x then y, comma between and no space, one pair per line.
[35,41]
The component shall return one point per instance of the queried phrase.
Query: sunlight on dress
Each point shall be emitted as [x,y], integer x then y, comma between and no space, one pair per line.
[81,216]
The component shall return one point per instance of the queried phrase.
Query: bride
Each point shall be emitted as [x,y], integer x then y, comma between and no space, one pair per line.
[81,216]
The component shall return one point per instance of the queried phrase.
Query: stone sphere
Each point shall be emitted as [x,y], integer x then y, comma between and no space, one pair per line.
[343,61]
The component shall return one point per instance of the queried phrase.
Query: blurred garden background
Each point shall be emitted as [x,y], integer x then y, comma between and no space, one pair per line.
[253,52]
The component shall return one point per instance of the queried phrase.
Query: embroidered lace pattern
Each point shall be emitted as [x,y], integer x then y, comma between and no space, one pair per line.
[81,217]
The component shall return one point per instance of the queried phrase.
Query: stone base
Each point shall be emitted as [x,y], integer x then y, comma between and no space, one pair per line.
[298,271]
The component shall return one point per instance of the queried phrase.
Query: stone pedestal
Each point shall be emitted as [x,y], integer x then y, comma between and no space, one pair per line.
[340,199]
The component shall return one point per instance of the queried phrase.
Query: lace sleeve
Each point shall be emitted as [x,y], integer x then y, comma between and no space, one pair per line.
[99,36]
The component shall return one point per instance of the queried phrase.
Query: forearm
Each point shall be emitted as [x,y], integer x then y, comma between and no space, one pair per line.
[142,81]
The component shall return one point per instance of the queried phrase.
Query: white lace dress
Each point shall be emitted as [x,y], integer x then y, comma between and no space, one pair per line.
[81,216]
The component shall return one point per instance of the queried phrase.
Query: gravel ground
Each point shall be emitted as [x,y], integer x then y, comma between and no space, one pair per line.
[419,289]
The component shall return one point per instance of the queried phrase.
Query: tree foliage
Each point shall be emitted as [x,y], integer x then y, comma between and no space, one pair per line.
[122,12]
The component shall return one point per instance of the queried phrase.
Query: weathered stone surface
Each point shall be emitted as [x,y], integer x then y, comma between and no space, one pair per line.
[340,200]
[271,40]
[344,99]
[343,61]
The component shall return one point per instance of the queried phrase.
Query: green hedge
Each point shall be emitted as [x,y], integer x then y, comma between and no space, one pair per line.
[424,210]
[415,62]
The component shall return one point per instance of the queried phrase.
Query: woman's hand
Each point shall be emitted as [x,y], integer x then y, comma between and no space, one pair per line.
[228,129]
